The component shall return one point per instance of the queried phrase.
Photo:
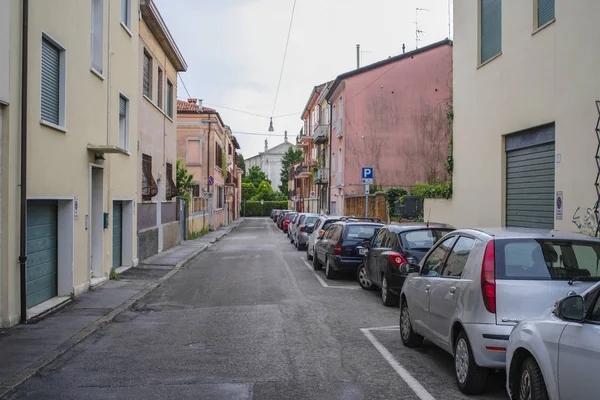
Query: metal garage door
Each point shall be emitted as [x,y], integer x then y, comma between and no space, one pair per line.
[42,251]
[117,233]
[530,186]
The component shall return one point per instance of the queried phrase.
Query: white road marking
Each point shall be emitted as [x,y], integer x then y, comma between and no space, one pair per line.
[410,380]
[385,328]
[322,282]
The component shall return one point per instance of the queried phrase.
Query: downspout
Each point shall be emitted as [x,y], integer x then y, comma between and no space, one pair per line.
[108,79]
[329,156]
[23,227]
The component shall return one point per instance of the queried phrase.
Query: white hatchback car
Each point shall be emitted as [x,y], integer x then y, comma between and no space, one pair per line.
[557,356]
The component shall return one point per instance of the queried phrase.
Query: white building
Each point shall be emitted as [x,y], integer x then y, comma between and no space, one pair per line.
[269,161]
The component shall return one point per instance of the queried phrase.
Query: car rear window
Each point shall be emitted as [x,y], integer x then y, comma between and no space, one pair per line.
[360,232]
[547,259]
[422,239]
[310,220]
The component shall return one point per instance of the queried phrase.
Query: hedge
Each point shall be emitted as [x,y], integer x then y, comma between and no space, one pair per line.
[255,209]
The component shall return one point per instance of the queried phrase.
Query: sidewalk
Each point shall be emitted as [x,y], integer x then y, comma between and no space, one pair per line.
[25,349]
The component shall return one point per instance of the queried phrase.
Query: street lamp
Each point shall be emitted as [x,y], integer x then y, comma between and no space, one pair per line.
[271,125]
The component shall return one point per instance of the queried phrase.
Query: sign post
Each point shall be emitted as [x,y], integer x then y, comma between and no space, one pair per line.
[367,179]
[559,205]
[262,208]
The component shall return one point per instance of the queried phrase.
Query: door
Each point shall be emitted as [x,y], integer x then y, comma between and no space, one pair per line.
[530,186]
[117,234]
[579,356]
[445,291]
[42,251]
[418,288]
[373,256]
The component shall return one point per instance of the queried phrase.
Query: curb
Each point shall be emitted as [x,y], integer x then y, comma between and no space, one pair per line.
[17,379]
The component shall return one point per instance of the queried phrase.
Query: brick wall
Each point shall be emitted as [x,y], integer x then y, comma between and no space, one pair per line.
[355,205]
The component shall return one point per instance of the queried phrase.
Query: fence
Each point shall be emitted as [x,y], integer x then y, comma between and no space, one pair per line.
[355,205]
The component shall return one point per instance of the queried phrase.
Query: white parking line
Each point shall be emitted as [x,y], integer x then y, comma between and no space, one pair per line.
[322,282]
[410,380]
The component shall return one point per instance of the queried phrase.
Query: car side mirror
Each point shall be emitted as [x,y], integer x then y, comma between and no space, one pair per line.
[321,234]
[571,308]
[409,268]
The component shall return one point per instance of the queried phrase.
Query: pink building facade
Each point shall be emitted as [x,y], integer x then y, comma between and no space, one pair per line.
[392,116]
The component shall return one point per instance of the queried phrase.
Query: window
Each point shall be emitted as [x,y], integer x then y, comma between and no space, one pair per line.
[147,75]
[341,108]
[361,232]
[149,187]
[545,12]
[378,240]
[423,239]
[123,122]
[159,83]
[169,99]
[333,171]
[435,262]
[220,197]
[594,314]
[491,29]
[218,155]
[97,35]
[52,83]
[340,160]
[458,257]
[171,186]
[193,154]
[126,13]
[196,190]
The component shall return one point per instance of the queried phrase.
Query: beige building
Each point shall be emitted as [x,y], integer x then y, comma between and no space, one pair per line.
[159,61]
[525,92]
[81,158]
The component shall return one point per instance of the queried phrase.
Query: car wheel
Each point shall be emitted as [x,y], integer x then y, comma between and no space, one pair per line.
[316,264]
[388,298]
[329,272]
[299,246]
[361,276]
[471,378]
[308,256]
[531,382]
[409,337]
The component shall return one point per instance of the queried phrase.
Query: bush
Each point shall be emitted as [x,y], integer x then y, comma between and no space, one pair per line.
[255,209]
[437,189]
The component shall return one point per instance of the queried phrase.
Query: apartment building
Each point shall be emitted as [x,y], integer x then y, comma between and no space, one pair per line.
[526,111]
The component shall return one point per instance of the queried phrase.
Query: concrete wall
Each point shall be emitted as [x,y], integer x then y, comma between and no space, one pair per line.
[197,222]
[147,242]
[171,234]
[540,77]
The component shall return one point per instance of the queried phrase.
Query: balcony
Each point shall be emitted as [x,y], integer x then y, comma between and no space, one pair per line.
[322,176]
[337,126]
[321,134]
[303,140]
[302,171]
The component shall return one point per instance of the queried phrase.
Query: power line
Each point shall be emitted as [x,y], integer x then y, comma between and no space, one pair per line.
[237,110]
[255,134]
[183,83]
[287,42]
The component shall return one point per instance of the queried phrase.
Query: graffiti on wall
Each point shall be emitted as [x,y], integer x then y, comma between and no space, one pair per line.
[586,221]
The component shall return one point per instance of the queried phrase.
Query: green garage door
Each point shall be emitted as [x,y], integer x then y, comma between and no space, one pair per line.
[117,233]
[530,186]
[42,251]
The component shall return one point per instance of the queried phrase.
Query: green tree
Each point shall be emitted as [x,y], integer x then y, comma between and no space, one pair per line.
[248,190]
[255,176]
[241,164]
[264,192]
[290,157]
[184,181]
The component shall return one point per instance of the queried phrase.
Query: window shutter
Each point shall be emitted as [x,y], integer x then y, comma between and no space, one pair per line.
[147,75]
[97,33]
[491,29]
[122,106]
[169,99]
[50,82]
[545,12]
[125,12]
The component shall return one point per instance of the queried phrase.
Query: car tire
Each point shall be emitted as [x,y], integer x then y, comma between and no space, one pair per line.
[363,281]
[299,246]
[409,337]
[316,264]
[308,256]
[388,298]
[329,272]
[531,384]
[471,378]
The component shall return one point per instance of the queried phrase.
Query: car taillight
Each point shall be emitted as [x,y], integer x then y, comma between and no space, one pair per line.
[337,250]
[397,259]
[488,280]
[302,229]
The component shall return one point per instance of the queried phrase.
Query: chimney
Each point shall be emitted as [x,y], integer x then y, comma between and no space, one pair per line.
[403,48]
[192,101]
[200,103]
[357,56]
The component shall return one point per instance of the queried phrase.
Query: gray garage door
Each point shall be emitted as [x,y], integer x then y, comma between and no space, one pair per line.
[42,251]
[530,186]
[117,233]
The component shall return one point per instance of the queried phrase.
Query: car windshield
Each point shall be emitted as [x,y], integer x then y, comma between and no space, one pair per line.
[547,259]
[360,232]
[310,220]
[291,216]
[422,239]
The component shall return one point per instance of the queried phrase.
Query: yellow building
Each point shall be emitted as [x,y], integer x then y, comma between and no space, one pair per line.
[525,92]
[82,83]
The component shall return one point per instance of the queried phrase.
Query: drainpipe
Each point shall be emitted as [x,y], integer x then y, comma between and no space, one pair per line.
[23,227]
[329,156]
[108,79]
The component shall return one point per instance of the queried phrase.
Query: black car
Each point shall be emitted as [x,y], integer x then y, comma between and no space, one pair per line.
[338,249]
[273,214]
[393,247]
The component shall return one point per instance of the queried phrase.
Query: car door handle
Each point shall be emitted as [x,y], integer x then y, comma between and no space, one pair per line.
[452,290]
[427,288]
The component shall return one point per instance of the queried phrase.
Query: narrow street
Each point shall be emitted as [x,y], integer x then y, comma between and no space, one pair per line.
[249,319]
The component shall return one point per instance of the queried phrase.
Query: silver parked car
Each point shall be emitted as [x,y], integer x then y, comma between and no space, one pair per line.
[301,230]
[474,286]
[318,231]
[556,357]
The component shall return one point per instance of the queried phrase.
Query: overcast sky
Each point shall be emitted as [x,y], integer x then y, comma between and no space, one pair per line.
[234,50]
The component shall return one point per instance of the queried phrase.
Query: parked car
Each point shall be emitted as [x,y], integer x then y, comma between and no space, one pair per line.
[394,246]
[303,229]
[281,217]
[287,219]
[278,213]
[317,233]
[338,249]
[293,224]
[555,357]
[474,286]
[273,213]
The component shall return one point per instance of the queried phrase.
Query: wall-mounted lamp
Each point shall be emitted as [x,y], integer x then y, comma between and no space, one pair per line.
[99,158]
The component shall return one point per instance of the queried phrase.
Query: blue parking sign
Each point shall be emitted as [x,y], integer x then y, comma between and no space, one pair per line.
[367,172]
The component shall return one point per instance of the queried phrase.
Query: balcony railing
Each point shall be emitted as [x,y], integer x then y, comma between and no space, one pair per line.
[321,134]
[322,176]
[337,125]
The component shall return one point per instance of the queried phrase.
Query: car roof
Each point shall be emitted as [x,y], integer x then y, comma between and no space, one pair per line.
[352,223]
[528,233]
[405,226]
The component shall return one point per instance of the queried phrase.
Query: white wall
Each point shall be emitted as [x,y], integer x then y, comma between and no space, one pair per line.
[4,50]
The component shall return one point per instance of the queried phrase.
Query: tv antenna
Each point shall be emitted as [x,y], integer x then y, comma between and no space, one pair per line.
[418,32]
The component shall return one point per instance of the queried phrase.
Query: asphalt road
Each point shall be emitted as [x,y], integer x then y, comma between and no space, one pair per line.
[250,320]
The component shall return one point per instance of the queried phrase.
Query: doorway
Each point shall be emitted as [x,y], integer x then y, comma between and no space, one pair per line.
[117,238]
[96,222]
